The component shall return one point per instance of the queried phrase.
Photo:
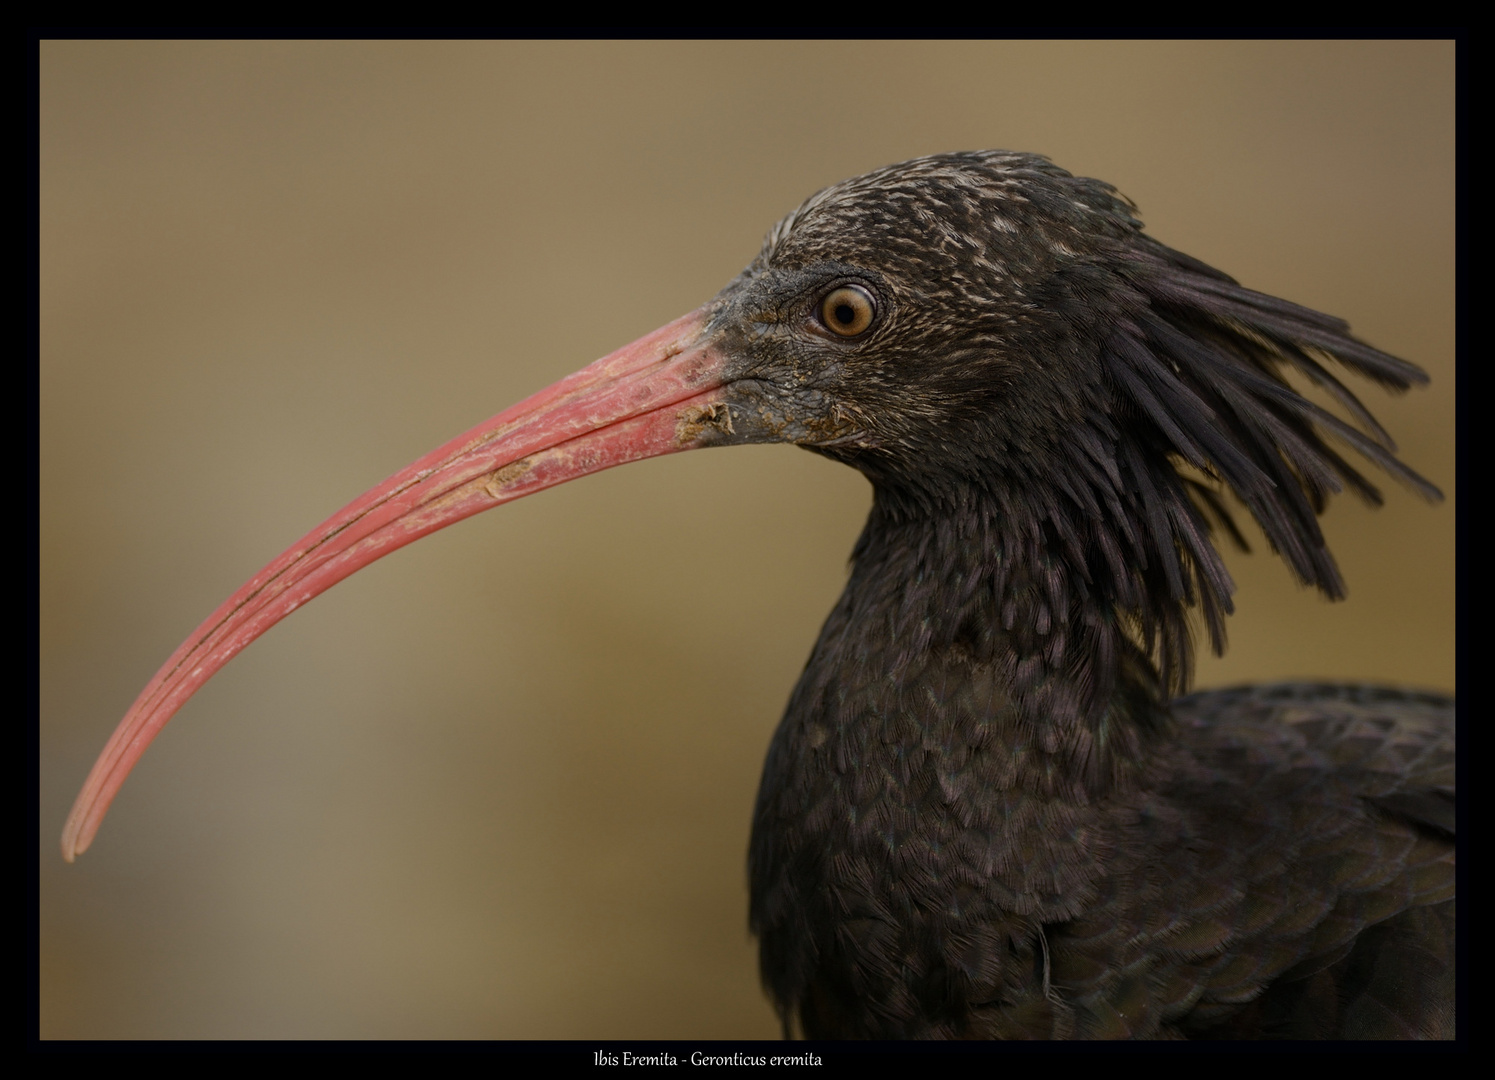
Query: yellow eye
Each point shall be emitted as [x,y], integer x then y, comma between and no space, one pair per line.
[847,310]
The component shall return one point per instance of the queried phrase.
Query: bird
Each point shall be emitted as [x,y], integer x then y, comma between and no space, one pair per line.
[992,809]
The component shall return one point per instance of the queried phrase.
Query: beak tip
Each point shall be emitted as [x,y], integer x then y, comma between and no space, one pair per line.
[77,834]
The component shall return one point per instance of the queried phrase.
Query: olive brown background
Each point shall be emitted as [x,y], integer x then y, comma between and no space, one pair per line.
[499,784]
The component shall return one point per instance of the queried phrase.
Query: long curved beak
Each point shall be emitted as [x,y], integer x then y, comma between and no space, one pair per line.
[661,394]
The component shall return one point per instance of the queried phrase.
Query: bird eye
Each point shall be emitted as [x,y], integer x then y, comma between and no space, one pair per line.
[847,310]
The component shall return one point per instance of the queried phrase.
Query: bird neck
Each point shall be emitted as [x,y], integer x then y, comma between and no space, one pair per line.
[962,602]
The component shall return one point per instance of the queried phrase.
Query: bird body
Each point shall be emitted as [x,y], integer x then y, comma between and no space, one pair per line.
[986,812]
[981,816]
[935,886]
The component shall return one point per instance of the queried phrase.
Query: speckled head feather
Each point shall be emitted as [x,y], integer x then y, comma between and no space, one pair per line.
[1040,361]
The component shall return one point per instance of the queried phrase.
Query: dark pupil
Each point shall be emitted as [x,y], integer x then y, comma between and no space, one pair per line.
[845,315]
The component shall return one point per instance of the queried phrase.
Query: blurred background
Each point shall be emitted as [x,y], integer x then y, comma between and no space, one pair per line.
[499,784]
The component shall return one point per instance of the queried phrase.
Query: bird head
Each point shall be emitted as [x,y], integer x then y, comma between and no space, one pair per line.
[985,335]
[981,334]
[933,323]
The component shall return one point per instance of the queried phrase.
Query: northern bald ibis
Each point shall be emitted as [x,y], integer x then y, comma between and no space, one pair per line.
[987,812]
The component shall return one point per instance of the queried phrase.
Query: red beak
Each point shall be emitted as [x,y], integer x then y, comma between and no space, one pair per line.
[655,396]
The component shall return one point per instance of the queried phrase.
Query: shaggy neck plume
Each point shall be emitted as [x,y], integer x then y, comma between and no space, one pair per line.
[961,597]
